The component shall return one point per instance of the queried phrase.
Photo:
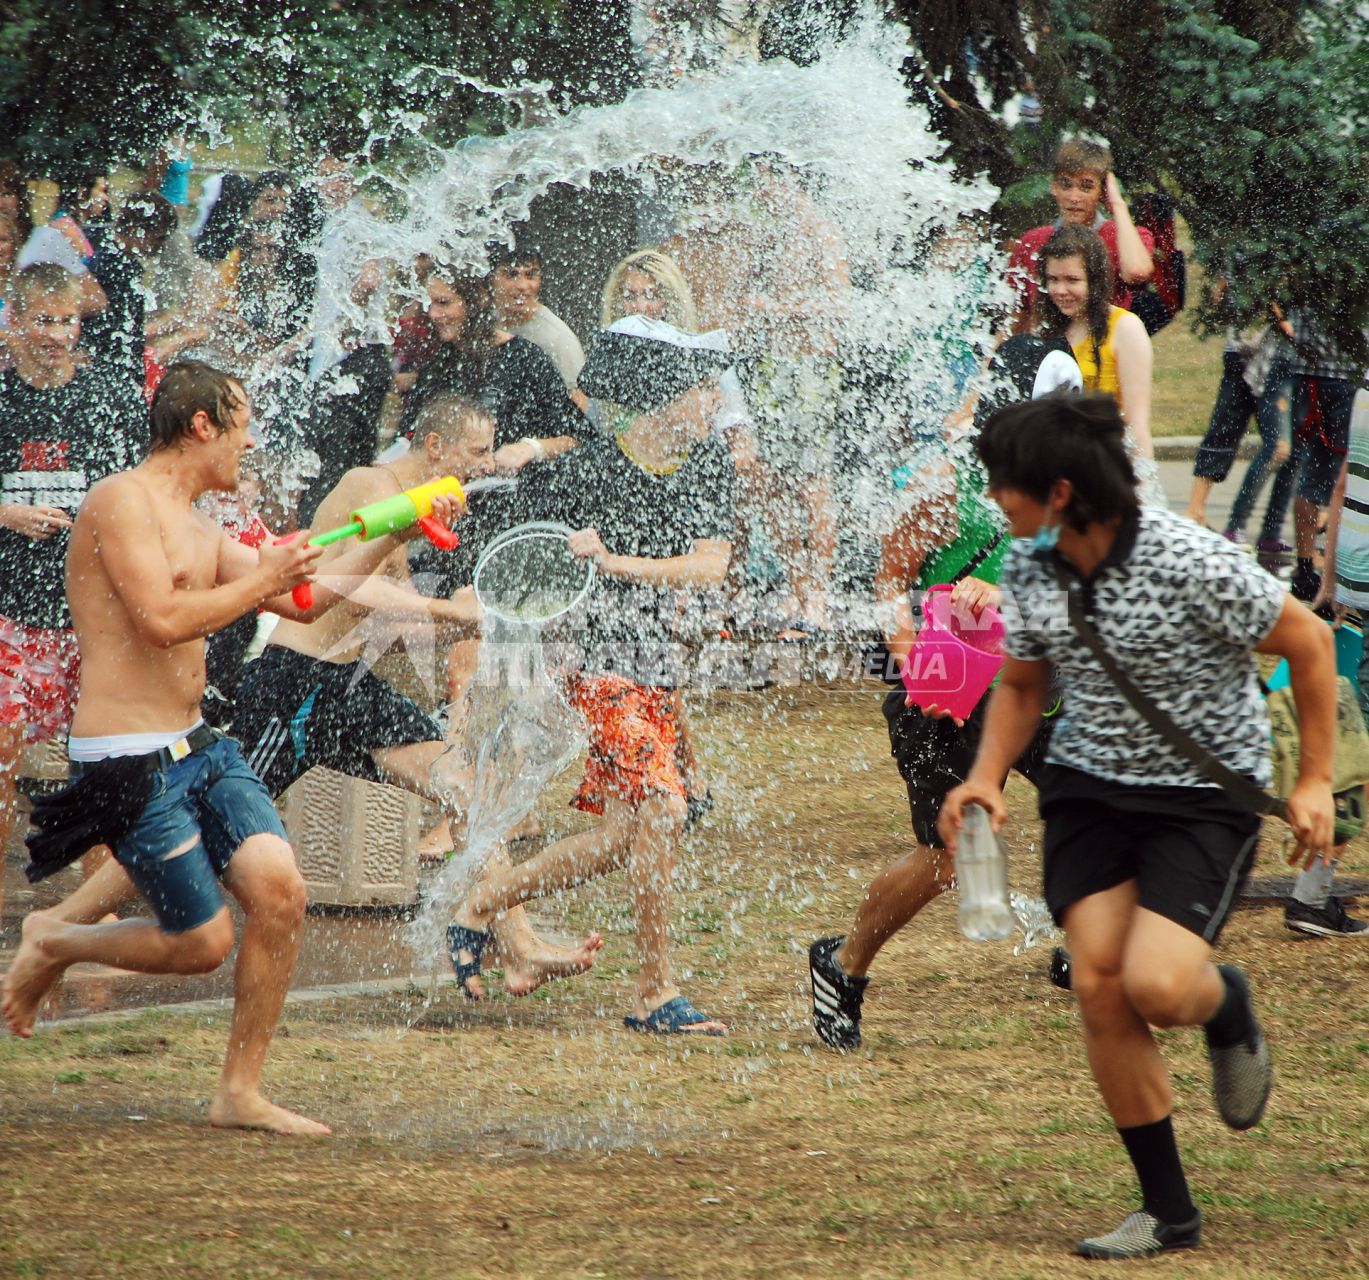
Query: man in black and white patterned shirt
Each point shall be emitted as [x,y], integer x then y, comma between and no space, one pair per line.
[1143,856]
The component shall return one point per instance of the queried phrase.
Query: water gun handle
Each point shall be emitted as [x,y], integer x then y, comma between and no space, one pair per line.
[301,593]
[439,535]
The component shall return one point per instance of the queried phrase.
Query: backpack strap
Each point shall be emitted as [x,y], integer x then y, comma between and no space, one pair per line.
[1238,788]
[980,556]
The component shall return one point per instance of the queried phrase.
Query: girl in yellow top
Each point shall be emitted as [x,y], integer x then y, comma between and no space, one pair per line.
[1110,344]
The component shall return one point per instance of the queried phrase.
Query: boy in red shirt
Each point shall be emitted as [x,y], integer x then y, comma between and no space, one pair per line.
[1083,181]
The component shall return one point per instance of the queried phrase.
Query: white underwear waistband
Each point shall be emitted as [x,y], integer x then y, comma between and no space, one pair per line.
[112,745]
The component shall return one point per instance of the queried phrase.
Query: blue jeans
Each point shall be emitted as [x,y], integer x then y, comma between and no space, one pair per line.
[1318,452]
[1233,409]
[1271,419]
[211,801]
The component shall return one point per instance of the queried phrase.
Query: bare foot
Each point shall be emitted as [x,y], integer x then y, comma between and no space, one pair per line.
[252,1111]
[524,974]
[32,975]
[529,829]
[435,846]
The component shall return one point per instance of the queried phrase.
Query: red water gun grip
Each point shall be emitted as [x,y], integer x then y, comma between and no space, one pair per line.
[303,593]
[438,534]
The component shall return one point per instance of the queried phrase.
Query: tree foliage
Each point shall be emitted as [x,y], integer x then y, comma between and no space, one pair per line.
[1249,112]
[87,83]
[1250,137]
[339,73]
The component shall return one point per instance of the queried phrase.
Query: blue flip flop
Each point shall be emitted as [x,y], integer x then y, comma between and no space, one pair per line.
[675,1017]
[459,939]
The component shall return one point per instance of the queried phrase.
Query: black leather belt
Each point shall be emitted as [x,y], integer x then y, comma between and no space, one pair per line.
[197,739]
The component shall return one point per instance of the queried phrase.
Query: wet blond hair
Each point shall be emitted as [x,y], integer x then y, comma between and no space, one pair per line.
[679,299]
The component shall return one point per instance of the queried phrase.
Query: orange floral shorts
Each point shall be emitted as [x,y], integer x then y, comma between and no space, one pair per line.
[632,737]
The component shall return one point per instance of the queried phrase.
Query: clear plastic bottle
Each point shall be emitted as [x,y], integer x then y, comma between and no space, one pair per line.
[982,873]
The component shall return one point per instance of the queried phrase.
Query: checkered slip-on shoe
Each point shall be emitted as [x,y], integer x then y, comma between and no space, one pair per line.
[1242,1075]
[1142,1235]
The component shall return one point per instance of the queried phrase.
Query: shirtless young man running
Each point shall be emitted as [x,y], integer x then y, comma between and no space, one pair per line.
[147,578]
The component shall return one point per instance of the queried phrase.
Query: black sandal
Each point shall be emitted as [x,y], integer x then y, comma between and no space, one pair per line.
[472,941]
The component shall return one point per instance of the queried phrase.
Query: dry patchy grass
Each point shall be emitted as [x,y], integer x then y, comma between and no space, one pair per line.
[538,1138]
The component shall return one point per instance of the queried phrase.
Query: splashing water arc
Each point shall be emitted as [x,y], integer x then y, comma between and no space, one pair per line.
[866,154]
[862,160]
[521,730]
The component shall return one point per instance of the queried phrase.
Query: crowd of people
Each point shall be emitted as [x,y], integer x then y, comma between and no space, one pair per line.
[141,533]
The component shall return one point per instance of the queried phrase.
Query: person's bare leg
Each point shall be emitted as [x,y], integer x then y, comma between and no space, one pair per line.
[91,864]
[51,946]
[651,867]
[894,897]
[570,861]
[1168,973]
[503,889]
[263,877]
[1123,1056]
[1197,499]
[442,775]
[1305,520]
[430,770]
[97,898]
[463,660]
[528,960]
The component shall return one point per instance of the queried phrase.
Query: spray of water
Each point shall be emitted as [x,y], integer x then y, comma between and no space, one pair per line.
[852,174]
[521,730]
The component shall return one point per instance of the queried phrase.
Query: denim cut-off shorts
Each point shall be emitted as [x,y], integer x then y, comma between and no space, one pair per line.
[212,798]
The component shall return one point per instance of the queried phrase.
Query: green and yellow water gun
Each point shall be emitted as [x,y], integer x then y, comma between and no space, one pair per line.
[390,515]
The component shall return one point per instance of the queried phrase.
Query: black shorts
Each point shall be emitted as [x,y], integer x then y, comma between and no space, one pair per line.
[295,712]
[1189,849]
[934,755]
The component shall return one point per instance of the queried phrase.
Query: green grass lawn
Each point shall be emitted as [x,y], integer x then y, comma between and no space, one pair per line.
[535,1138]
[1187,371]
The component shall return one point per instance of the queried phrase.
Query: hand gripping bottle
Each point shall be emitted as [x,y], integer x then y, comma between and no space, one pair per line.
[982,873]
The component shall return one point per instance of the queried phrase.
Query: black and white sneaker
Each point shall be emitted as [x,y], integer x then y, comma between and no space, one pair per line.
[1142,1235]
[1330,921]
[837,996]
[1242,1075]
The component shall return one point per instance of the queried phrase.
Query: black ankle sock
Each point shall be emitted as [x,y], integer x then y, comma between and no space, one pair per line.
[1233,1023]
[1155,1155]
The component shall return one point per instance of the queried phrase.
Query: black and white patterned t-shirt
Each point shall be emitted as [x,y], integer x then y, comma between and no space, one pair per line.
[1180,609]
